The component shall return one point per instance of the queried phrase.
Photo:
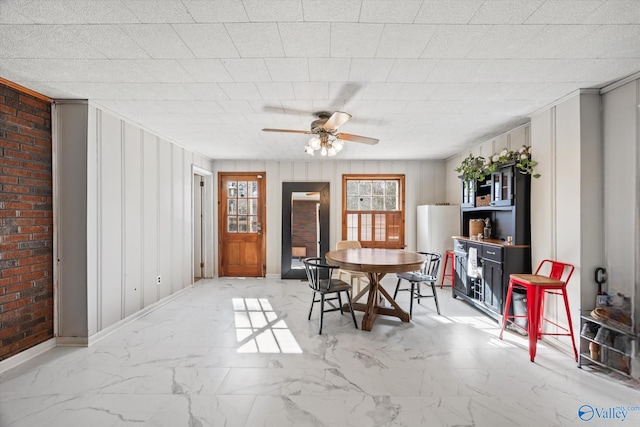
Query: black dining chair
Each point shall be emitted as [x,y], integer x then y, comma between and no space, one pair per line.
[427,274]
[322,284]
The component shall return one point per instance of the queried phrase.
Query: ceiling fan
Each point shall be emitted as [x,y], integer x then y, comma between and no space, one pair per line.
[327,139]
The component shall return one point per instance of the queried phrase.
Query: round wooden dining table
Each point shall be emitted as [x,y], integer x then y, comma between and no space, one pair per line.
[375,263]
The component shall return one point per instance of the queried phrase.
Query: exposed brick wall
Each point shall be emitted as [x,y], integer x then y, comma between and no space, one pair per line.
[26,222]
[303,226]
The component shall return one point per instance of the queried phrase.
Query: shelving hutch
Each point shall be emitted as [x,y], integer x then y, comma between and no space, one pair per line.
[503,197]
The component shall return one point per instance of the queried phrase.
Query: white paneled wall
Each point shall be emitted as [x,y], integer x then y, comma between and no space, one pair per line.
[137,207]
[424,184]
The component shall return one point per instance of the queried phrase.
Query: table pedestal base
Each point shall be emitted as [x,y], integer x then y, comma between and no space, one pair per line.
[372,308]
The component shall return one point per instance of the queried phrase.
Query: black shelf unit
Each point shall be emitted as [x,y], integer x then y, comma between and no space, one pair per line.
[508,192]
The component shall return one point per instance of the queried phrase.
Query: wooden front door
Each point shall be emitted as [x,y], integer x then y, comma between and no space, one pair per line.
[241,219]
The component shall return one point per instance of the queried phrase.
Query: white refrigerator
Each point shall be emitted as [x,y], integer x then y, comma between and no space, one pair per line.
[436,224]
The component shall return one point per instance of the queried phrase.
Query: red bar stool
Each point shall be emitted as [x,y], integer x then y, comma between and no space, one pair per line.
[537,286]
[448,254]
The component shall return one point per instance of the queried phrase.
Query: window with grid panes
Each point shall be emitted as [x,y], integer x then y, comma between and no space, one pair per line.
[373,210]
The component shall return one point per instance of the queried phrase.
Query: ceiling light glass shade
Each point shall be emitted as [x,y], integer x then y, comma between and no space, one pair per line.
[332,152]
[323,151]
[314,143]
[338,145]
[309,150]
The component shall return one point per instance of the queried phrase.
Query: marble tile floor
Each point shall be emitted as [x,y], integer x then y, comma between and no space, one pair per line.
[241,352]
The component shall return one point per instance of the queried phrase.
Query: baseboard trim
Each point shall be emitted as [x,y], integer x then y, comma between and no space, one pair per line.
[27,354]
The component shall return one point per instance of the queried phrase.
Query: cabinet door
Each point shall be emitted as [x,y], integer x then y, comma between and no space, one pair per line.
[502,187]
[492,283]
[468,194]
[460,282]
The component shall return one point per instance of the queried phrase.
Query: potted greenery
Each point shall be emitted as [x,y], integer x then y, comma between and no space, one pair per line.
[478,168]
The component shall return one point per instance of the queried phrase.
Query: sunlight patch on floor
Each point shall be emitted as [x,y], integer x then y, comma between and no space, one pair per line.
[260,330]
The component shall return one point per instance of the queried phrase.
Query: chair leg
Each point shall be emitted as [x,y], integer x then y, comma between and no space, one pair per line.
[566,306]
[505,314]
[435,296]
[321,312]
[411,299]
[340,302]
[313,301]
[353,315]
[395,293]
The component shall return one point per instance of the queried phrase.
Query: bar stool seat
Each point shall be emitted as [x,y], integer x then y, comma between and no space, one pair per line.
[537,286]
[448,255]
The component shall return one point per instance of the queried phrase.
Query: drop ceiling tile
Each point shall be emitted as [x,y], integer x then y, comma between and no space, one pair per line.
[505,11]
[331,10]
[14,42]
[288,69]
[473,70]
[454,41]
[207,40]
[256,40]
[415,91]
[411,70]
[73,12]
[346,91]
[109,40]
[388,11]
[217,11]
[236,106]
[564,11]
[451,91]
[447,11]
[205,91]
[305,39]
[381,91]
[370,70]
[311,90]
[605,41]
[502,41]
[171,91]
[615,12]
[15,13]
[206,70]
[276,90]
[158,40]
[164,70]
[355,40]
[404,41]
[554,40]
[158,11]
[272,11]
[247,70]
[240,91]
[420,107]
[329,69]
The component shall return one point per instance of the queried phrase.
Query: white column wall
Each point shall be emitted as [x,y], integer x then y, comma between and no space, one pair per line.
[137,207]
[566,201]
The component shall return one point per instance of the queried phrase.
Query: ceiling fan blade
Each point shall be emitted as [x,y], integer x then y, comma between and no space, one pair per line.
[356,138]
[287,131]
[336,120]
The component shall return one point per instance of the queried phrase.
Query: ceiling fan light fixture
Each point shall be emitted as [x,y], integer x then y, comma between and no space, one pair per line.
[314,143]
[309,150]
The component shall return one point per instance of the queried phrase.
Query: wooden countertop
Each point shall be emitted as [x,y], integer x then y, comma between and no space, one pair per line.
[493,242]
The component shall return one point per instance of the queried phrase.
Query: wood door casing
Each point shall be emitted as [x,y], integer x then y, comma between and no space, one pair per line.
[241,221]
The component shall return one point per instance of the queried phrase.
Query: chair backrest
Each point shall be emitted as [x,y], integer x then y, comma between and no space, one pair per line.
[318,272]
[431,265]
[348,244]
[555,269]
